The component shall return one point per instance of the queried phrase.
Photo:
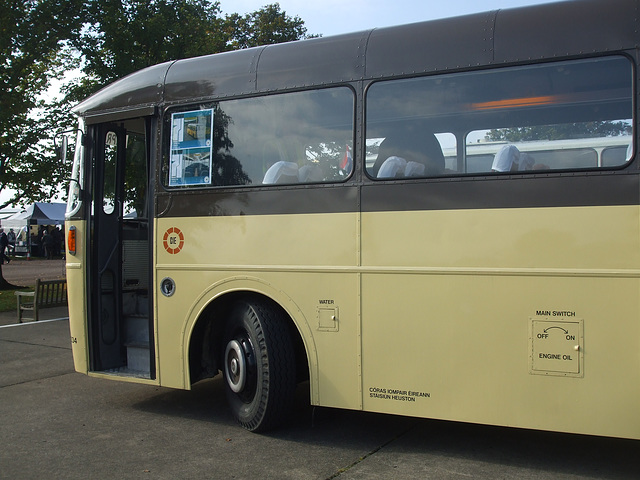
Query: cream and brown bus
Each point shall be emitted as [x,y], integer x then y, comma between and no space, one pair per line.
[438,220]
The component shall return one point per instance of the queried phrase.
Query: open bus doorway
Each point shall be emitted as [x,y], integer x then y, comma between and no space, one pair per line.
[120,323]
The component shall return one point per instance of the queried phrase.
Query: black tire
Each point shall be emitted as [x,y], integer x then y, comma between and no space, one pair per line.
[258,365]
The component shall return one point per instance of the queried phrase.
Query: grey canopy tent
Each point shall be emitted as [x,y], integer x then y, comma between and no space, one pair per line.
[38,213]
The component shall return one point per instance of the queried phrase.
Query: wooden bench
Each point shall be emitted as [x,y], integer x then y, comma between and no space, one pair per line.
[47,293]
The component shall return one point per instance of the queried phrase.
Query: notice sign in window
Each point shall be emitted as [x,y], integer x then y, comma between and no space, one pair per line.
[191,148]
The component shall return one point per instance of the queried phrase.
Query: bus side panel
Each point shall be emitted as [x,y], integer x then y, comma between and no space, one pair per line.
[300,261]
[468,299]
[76,298]
[330,305]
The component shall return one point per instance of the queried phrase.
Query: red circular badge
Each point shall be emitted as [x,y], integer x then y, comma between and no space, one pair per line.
[173,240]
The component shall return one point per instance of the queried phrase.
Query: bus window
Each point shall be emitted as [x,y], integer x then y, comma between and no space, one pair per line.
[557,154]
[565,113]
[291,138]
[109,179]
[616,155]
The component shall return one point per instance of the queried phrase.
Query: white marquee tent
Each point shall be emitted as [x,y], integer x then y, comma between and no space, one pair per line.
[37,214]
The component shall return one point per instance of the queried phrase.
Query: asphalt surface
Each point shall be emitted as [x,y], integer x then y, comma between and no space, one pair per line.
[23,272]
[55,423]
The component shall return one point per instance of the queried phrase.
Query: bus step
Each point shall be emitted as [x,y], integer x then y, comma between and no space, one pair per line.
[138,357]
[137,329]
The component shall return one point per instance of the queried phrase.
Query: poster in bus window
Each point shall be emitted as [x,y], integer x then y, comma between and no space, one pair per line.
[191,148]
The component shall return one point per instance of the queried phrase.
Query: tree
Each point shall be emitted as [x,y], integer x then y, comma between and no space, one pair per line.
[560,132]
[123,36]
[32,34]
[266,26]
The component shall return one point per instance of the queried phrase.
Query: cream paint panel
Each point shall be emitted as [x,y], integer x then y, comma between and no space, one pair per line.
[538,238]
[338,349]
[302,262]
[266,240]
[333,355]
[446,313]
[444,318]
[464,340]
[76,298]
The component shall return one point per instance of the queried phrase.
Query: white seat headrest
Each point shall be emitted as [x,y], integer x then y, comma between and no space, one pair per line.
[281,172]
[391,167]
[505,158]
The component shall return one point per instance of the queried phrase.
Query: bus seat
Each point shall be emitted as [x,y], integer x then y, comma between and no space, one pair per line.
[414,169]
[281,172]
[507,156]
[398,167]
[310,174]
[417,147]
[392,167]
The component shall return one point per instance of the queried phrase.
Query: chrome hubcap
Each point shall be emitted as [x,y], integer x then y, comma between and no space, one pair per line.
[235,366]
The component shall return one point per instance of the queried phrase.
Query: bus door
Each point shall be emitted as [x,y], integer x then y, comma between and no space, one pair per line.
[118,281]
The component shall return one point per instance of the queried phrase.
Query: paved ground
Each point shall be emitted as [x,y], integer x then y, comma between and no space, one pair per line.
[24,272]
[55,423]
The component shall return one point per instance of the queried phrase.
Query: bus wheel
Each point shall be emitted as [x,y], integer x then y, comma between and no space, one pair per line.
[259,366]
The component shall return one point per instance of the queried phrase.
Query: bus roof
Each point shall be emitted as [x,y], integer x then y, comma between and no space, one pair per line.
[500,37]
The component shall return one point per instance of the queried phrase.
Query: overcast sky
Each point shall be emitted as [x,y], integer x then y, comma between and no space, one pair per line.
[331,17]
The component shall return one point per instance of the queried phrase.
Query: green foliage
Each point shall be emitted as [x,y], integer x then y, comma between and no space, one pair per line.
[266,26]
[122,36]
[32,52]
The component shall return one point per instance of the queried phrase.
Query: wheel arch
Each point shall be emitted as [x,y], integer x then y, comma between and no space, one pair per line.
[204,329]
